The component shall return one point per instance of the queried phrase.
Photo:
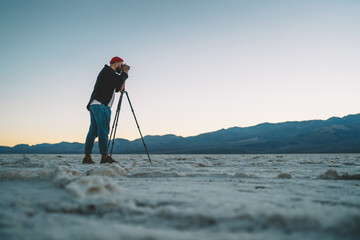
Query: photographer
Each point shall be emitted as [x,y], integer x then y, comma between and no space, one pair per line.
[111,79]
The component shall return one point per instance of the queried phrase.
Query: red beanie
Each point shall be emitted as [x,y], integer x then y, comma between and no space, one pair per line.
[115,59]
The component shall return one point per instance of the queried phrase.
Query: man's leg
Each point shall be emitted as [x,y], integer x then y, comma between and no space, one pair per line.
[92,134]
[103,122]
[103,132]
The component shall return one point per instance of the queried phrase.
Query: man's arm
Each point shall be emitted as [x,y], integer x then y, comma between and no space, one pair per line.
[126,68]
[120,81]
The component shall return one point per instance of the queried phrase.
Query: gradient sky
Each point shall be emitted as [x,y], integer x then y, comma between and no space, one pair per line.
[196,66]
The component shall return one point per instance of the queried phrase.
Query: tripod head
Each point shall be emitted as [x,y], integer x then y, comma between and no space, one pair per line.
[122,89]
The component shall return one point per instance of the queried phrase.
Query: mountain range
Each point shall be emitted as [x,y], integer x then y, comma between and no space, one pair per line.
[334,135]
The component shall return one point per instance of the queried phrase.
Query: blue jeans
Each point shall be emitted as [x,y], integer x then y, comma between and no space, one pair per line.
[99,127]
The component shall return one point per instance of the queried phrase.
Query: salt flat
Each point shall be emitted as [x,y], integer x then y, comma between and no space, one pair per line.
[299,196]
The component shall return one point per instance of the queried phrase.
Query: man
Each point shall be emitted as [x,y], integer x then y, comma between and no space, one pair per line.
[108,82]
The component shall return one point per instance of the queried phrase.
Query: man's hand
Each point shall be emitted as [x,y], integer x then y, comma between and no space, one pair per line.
[126,68]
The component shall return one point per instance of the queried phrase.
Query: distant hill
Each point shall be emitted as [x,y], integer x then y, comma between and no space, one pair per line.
[335,135]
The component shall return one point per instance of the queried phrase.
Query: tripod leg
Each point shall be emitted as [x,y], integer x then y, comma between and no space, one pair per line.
[116,120]
[137,124]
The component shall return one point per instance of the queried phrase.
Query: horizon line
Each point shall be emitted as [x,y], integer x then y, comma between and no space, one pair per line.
[190,135]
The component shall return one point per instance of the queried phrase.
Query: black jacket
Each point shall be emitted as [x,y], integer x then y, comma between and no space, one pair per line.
[106,82]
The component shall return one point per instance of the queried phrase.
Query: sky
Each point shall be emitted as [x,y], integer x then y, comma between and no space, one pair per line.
[196,66]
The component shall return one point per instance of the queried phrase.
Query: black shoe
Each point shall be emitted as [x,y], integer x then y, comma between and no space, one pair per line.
[87,161]
[107,159]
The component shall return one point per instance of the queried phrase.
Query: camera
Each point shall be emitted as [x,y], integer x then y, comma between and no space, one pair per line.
[119,69]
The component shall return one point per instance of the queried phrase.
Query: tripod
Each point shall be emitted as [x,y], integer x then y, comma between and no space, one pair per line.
[116,119]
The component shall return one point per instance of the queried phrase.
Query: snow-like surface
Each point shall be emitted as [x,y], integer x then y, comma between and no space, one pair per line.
[180,197]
